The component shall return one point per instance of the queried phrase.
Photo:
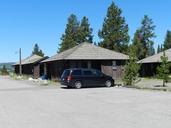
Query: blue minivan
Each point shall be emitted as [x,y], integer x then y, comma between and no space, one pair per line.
[78,78]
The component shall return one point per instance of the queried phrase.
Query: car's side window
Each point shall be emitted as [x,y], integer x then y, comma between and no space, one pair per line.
[76,72]
[87,73]
[97,73]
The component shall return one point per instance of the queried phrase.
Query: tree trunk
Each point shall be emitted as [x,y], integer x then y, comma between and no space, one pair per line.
[163,83]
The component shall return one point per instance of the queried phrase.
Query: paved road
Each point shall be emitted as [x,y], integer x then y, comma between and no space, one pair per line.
[30,106]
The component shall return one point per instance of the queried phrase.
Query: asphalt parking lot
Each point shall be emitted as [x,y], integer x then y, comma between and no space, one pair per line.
[24,105]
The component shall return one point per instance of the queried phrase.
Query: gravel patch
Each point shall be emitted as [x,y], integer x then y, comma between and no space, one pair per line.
[23,105]
[154,84]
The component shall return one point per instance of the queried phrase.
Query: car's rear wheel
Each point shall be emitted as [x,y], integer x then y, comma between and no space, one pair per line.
[78,84]
[108,83]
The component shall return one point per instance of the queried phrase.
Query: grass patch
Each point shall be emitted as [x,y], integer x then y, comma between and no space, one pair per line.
[47,82]
[17,77]
[52,82]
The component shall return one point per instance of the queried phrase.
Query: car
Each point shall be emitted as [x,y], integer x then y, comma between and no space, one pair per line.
[79,78]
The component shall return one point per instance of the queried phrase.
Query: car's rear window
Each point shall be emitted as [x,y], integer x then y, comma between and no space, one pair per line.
[66,73]
[87,72]
[76,73]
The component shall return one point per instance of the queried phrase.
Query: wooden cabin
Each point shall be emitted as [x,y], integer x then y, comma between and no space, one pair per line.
[86,55]
[31,66]
[149,65]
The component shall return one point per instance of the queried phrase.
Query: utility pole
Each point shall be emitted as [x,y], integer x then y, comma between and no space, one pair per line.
[20,66]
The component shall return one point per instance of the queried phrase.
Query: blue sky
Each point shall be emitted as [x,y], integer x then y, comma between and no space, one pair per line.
[26,22]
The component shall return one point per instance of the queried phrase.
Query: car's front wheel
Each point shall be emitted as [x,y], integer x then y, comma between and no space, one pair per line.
[108,83]
[78,84]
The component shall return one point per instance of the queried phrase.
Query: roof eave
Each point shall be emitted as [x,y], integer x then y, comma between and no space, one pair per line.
[84,59]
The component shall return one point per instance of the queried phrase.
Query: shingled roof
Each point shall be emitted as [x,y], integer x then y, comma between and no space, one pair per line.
[30,60]
[88,51]
[156,58]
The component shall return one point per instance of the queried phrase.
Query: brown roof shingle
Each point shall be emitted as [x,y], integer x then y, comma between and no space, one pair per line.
[88,51]
[156,58]
[30,60]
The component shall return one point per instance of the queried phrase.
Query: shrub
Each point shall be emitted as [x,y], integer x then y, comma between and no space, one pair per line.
[163,69]
[131,68]
[4,71]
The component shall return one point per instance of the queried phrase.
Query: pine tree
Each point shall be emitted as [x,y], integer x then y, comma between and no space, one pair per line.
[163,69]
[37,51]
[151,50]
[167,42]
[70,38]
[4,70]
[84,31]
[143,38]
[147,33]
[138,45]
[159,48]
[114,33]
[131,68]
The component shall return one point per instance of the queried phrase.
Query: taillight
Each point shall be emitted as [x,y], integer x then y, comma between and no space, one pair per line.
[69,78]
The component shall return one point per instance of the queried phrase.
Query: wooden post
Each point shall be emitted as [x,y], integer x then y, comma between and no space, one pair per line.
[20,66]
[45,69]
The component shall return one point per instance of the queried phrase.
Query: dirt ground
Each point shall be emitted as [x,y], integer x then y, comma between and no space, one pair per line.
[152,83]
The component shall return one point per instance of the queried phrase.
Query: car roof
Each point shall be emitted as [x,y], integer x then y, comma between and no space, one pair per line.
[80,69]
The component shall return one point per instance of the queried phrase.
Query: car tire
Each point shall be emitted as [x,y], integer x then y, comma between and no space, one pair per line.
[77,84]
[108,83]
